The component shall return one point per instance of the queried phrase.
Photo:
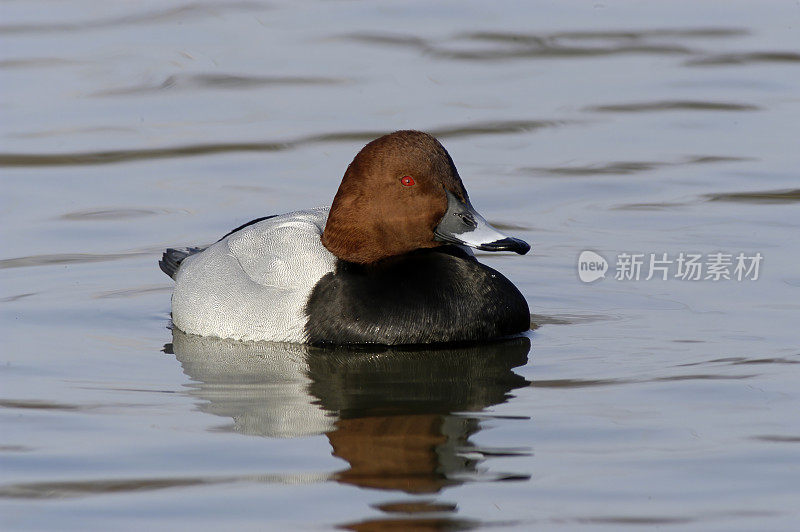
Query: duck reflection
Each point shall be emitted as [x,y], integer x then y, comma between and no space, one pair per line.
[398,416]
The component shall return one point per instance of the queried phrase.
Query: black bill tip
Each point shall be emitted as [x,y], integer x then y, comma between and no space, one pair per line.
[507,244]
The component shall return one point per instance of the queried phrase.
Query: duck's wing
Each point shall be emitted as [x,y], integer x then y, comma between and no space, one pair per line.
[282,252]
[172,257]
[254,284]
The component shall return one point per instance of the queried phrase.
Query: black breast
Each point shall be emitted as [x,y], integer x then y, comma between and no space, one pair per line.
[429,296]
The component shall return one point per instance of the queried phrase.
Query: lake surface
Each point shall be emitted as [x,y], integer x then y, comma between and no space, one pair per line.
[631,130]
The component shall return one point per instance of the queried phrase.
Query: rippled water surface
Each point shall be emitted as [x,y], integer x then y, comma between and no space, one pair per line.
[612,127]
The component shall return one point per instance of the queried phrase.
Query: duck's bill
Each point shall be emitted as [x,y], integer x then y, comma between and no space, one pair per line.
[463,225]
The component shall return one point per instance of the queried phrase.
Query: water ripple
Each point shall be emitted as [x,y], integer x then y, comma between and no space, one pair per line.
[745,58]
[35,62]
[680,33]
[115,214]
[778,438]
[499,45]
[116,156]
[17,297]
[510,45]
[585,383]
[635,520]
[537,320]
[764,196]
[83,488]
[133,292]
[737,361]
[629,167]
[219,81]
[529,52]
[37,405]
[415,507]
[15,449]
[672,105]
[180,13]
[71,258]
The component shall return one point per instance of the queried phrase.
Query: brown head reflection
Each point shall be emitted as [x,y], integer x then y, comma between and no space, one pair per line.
[395,426]
[398,416]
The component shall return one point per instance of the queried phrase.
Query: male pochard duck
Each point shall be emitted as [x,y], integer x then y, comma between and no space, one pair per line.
[386,263]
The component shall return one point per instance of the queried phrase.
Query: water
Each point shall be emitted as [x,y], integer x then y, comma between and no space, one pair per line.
[613,127]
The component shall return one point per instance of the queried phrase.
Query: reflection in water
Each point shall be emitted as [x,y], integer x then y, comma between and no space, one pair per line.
[389,412]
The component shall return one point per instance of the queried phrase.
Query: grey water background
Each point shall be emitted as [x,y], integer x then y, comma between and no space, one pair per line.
[660,127]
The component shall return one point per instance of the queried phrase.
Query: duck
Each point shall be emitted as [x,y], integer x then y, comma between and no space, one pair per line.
[389,262]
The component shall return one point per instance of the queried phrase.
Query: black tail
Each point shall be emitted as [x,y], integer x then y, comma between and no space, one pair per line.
[172,258]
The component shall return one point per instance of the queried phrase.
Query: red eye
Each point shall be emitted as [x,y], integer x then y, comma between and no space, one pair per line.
[407,181]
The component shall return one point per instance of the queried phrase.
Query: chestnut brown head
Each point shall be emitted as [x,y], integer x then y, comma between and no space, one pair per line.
[402,192]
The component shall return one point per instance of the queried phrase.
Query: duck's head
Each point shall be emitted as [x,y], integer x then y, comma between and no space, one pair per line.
[402,192]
